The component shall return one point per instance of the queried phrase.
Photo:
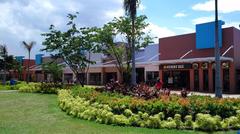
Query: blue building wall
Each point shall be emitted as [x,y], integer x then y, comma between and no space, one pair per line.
[19,59]
[38,59]
[205,35]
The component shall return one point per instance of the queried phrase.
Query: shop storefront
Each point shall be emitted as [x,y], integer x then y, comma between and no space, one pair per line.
[176,76]
[195,76]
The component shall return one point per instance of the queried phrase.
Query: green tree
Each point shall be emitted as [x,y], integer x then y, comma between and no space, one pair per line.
[105,38]
[72,46]
[130,7]
[54,69]
[6,62]
[28,47]
[142,37]
[18,68]
[121,52]
[3,56]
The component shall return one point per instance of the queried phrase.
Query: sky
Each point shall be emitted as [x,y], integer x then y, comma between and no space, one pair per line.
[26,20]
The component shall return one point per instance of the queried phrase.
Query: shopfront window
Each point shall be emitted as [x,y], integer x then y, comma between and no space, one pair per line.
[95,78]
[176,79]
[152,77]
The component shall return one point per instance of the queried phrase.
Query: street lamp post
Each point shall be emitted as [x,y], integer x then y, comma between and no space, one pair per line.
[218,82]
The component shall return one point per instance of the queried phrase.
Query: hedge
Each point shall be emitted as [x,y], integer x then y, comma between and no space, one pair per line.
[169,105]
[46,88]
[103,113]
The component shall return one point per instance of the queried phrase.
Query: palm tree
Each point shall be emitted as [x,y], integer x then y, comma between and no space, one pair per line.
[130,7]
[29,47]
[218,87]
[3,55]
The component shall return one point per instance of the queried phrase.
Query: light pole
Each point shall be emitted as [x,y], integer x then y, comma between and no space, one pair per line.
[218,82]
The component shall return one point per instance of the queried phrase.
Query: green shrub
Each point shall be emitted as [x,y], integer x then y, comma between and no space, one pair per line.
[169,123]
[232,122]
[207,122]
[168,105]
[134,120]
[30,88]
[188,122]
[127,111]
[178,121]
[154,122]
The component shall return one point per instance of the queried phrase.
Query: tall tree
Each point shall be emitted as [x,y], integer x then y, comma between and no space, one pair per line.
[72,46]
[3,55]
[105,37]
[130,7]
[28,47]
[121,28]
[218,87]
[142,37]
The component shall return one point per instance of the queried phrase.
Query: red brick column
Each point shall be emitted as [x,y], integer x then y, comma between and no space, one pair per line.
[210,78]
[200,77]
[191,79]
[161,74]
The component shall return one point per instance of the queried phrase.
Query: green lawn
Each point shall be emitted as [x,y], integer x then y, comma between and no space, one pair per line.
[23,113]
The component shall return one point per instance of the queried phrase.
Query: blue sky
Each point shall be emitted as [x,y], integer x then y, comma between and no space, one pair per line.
[27,19]
[180,16]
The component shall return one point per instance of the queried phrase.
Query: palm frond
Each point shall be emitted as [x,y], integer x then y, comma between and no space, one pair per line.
[130,7]
[28,46]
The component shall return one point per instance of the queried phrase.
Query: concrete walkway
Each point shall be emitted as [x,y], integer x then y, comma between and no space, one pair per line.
[172,92]
[8,91]
[208,94]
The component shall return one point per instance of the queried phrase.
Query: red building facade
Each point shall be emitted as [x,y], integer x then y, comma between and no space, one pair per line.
[182,65]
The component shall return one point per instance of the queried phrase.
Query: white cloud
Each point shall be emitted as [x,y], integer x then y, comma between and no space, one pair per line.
[203,20]
[225,6]
[159,32]
[180,15]
[185,30]
[141,7]
[117,13]
[27,19]
[232,24]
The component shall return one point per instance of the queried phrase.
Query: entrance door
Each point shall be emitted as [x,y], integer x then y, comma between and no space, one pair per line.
[176,79]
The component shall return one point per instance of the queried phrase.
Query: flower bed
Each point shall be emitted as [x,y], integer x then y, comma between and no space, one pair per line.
[169,105]
[196,112]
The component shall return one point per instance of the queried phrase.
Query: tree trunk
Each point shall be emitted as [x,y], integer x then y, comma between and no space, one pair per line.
[133,77]
[4,72]
[218,87]
[127,76]
[28,65]
[80,79]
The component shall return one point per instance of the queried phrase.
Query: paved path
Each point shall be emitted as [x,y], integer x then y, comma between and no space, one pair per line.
[8,91]
[172,92]
[209,94]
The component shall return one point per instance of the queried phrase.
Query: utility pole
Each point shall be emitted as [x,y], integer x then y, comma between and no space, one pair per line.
[218,82]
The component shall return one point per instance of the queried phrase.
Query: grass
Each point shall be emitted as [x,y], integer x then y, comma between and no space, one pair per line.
[23,113]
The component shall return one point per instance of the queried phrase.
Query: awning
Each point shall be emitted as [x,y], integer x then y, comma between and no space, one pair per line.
[192,60]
